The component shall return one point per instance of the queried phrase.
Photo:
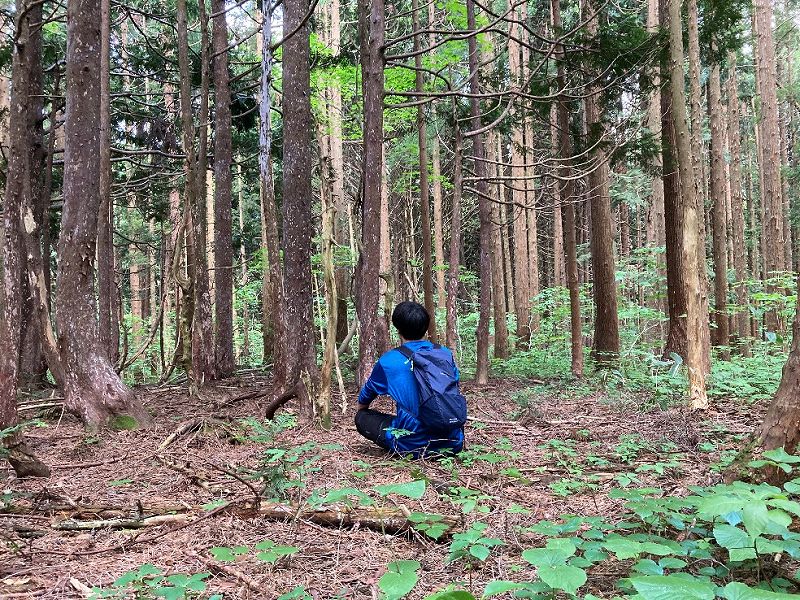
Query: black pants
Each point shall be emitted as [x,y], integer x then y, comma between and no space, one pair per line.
[372,424]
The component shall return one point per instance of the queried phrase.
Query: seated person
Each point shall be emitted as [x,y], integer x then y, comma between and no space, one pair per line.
[392,376]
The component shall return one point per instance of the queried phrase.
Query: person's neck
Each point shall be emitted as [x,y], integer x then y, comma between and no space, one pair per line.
[404,340]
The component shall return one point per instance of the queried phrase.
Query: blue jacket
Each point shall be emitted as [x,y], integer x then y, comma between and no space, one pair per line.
[392,376]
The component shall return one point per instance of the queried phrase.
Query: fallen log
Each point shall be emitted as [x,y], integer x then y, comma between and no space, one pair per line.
[382,519]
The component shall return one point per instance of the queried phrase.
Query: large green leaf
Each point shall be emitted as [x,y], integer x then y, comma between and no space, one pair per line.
[740,591]
[413,489]
[780,455]
[623,548]
[756,518]
[493,588]
[399,580]
[672,587]
[547,557]
[728,536]
[562,577]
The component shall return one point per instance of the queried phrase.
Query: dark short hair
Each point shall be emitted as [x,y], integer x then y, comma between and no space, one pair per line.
[411,320]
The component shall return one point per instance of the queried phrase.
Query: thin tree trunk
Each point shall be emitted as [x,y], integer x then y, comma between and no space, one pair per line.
[105,242]
[691,250]
[424,188]
[451,338]
[719,215]
[372,331]
[438,227]
[272,273]
[769,137]
[484,210]
[498,287]
[605,350]
[522,274]
[559,271]
[223,233]
[568,198]
[203,363]
[742,329]
[33,365]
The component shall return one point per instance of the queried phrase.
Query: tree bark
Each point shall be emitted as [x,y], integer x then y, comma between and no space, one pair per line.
[203,363]
[26,52]
[438,227]
[424,187]
[718,193]
[92,389]
[498,287]
[691,250]
[298,350]
[223,205]
[769,137]
[373,333]
[519,197]
[105,241]
[568,197]
[484,210]
[780,428]
[272,274]
[605,350]
[559,270]
[451,338]
[742,316]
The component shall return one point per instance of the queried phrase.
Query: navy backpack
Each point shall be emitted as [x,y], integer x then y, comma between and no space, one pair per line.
[442,407]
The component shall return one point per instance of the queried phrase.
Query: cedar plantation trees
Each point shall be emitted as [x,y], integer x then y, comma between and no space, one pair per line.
[189,186]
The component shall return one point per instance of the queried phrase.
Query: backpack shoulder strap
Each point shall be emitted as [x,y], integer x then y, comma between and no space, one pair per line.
[407,352]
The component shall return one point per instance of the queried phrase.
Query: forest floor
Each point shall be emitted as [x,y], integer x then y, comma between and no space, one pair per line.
[535,452]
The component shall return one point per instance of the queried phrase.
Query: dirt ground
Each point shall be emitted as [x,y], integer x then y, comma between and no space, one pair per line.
[529,457]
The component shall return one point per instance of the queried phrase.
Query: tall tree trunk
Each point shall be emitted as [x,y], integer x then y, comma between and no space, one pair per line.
[718,194]
[33,365]
[559,271]
[373,333]
[105,241]
[322,405]
[656,236]
[438,226]
[203,363]
[451,337]
[696,129]
[568,198]
[340,225]
[769,137]
[484,210]
[522,274]
[498,287]
[92,389]
[298,350]
[272,273]
[424,188]
[223,205]
[695,318]
[26,52]
[742,319]
[605,350]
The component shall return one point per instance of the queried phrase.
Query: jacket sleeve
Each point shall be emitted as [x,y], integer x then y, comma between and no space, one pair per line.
[376,385]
